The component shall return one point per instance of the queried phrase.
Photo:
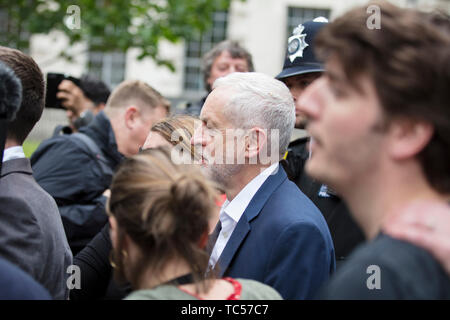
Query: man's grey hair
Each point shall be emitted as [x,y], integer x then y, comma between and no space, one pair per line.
[235,50]
[257,100]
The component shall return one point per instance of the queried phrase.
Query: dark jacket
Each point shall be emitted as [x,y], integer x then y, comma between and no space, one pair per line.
[345,232]
[75,178]
[31,233]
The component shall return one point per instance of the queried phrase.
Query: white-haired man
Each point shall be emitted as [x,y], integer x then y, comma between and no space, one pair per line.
[269,230]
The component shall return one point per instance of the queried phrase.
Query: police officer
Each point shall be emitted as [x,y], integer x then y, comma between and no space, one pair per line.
[300,69]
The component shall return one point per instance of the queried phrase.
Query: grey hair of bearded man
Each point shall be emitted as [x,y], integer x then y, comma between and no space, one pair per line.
[257,100]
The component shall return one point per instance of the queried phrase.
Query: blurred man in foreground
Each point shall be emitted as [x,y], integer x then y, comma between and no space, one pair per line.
[380,138]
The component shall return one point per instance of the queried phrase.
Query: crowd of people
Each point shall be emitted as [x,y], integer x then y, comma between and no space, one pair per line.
[329,181]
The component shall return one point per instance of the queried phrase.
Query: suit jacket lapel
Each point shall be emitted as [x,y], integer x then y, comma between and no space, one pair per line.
[253,209]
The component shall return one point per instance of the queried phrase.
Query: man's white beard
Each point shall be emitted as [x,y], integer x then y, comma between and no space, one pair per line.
[222,173]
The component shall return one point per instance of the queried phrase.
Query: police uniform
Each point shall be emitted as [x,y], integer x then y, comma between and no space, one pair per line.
[345,232]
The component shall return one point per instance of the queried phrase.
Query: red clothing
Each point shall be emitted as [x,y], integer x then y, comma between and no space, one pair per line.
[236,295]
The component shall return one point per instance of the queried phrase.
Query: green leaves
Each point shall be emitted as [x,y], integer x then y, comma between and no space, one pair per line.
[110,25]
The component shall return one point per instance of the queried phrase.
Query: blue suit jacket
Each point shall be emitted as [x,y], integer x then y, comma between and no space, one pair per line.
[281,240]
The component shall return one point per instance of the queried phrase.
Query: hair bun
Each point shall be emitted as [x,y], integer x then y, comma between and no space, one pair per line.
[190,195]
[184,187]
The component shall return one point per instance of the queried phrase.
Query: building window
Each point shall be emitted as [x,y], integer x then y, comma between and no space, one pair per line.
[196,48]
[297,16]
[107,66]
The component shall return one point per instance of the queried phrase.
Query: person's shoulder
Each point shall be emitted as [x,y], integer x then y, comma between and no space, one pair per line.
[146,294]
[54,141]
[39,215]
[255,290]
[163,292]
[24,187]
[59,147]
[292,205]
[388,268]
[14,171]
[16,284]
[17,190]
[293,218]
[58,160]
[390,251]
[286,188]
[351,280]
[39,212]
[397,254]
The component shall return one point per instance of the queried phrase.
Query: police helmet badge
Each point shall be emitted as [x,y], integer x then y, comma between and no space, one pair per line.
[297,43]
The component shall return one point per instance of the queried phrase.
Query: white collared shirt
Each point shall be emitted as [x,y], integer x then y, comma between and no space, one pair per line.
[231,212]
[13,153]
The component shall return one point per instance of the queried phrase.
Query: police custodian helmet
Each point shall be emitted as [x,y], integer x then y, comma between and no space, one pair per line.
[300,58]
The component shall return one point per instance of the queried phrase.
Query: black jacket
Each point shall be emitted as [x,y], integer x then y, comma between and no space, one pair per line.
[97,282]
[345,232]
[72,175]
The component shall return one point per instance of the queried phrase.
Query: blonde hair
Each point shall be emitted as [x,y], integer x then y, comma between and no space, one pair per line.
[135,92]
[165,209]
[178,131]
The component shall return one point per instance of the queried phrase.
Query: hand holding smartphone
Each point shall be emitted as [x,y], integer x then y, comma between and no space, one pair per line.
[53,82]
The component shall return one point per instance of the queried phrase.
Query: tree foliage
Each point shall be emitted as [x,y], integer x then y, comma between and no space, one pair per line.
[108,25]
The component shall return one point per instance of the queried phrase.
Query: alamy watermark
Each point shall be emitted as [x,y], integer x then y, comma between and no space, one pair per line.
[374,280]
[374,20]
[74,279]
[73,18]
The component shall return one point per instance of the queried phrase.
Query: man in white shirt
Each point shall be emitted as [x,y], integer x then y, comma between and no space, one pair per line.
[269,230]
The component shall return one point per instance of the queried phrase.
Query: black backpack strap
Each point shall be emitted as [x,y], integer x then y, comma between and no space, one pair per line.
[96,152]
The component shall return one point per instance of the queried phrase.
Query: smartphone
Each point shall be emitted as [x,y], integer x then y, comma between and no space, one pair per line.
[53,81]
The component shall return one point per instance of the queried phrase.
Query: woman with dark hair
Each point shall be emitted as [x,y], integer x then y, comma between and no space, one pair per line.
[159,216]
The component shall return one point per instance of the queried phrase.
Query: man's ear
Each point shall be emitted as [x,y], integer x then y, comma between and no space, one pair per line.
[256,139]
[131,115]
[409,138]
